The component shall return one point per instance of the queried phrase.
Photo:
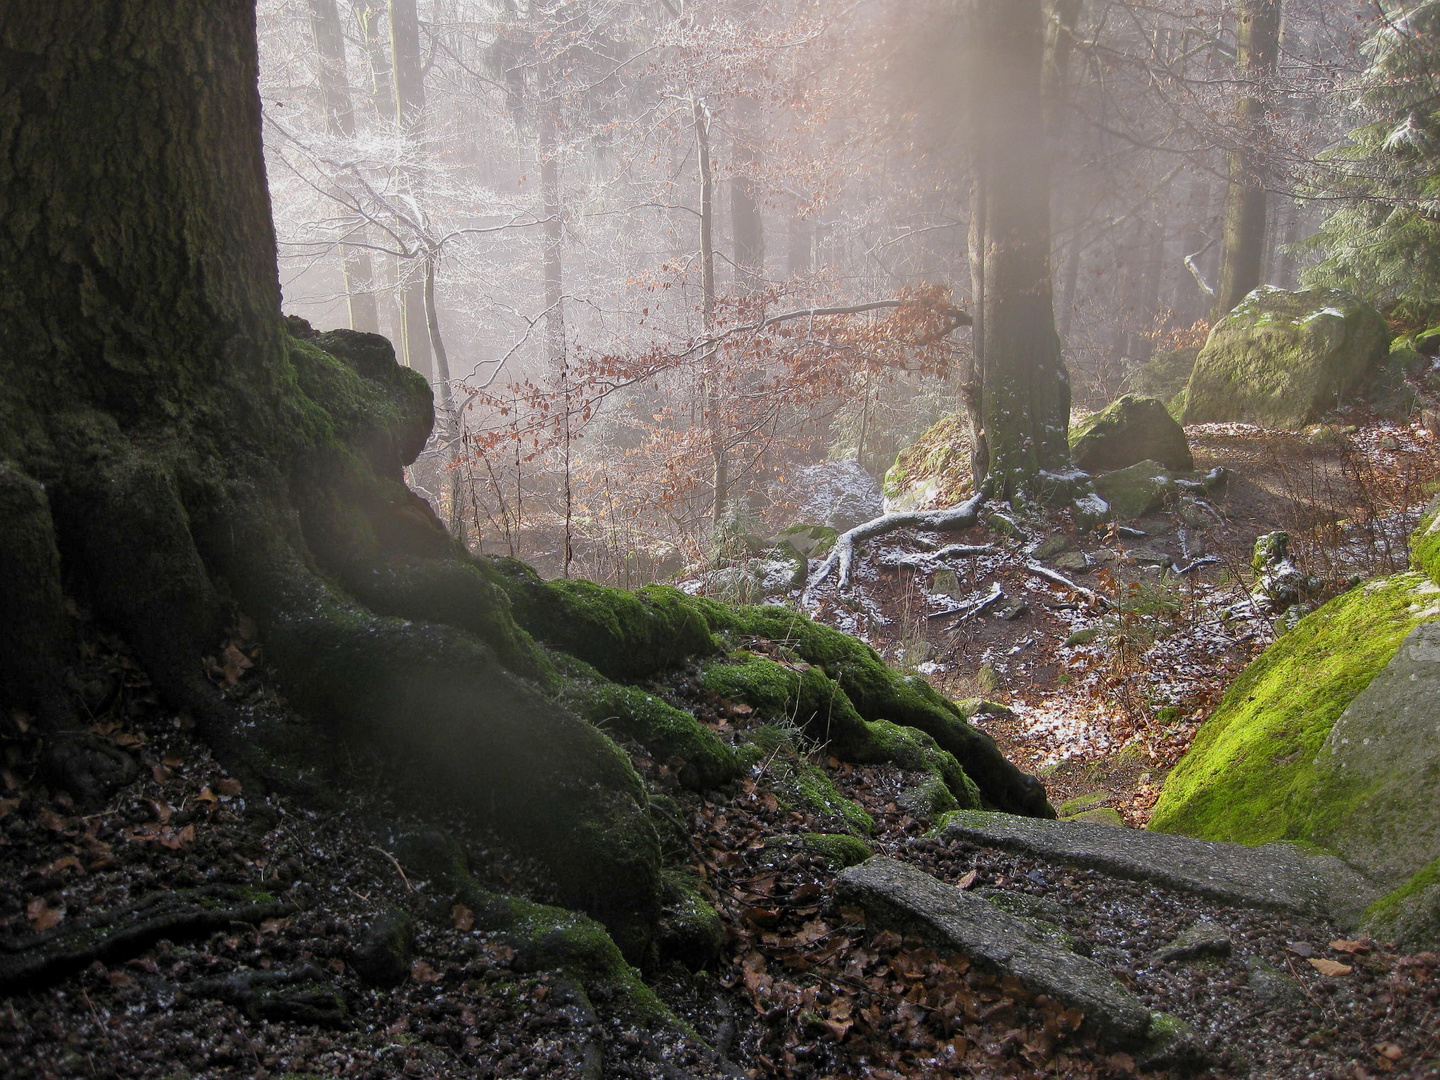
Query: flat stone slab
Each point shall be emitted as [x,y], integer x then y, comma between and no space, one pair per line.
[1270,876]
[897,895]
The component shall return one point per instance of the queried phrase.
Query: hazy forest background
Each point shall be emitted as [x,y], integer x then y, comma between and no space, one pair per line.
[576,219]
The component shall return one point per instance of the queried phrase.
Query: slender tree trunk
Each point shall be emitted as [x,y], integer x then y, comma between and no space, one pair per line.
[1025,397]
[1243,255]
[746,220]
[974,386]
[552,210]
[409,89]
[720,486]
[340,122]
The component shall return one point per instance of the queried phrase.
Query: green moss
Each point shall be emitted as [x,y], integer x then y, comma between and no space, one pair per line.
[1410,915]
[1425,544]
[1250,775]
[912,749]
[1281,359]
[700,757]
[879,692]
[800,786]
[691,930]
[624,634]
[799,696]
[933,469]
[838,849]
[1129,430]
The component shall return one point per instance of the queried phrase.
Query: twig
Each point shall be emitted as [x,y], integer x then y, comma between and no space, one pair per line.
[970,610]
[1065,583]
[395,863]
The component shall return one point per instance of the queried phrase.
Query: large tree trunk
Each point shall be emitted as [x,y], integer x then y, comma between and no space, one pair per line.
[1243,253]
[1025,391]
[159,428]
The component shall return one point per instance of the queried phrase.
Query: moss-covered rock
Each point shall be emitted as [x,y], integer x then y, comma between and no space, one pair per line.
[1410,915]
[1138,489]
[1283,359]
[1127,432]
[1257,770]
[934,470]
[1425,543]
[700,757]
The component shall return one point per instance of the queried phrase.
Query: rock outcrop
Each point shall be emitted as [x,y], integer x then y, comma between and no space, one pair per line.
[1330,740]
[1283,359]
[1128,431]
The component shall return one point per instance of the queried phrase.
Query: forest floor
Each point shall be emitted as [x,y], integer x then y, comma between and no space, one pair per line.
[803,988]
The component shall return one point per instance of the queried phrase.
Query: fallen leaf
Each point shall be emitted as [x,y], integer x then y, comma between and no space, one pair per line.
[422,972]
[1389,1050]
[1330,967]
[462,918]
[1301,948]
[839,1028]
[65,862]
[234,664]
[229,787]
[173,762]
[273,926]
[968,880]
[161,774]
[42,916]
[1351,947]
[48,819]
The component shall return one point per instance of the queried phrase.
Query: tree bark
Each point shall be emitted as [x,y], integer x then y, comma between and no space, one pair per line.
[1025,395]
[1243,254]
[340,122]
[159,428]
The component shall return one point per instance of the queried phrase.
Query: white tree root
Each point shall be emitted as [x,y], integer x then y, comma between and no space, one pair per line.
[842,557]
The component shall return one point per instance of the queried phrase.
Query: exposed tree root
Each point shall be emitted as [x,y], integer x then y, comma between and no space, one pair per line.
[119,934]
[954,519]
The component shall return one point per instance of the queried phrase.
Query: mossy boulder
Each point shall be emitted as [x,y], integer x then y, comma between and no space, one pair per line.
[1328,740]
[934,470]
[1128,431]
[1250,775]
[1283,359]
[1137,490]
